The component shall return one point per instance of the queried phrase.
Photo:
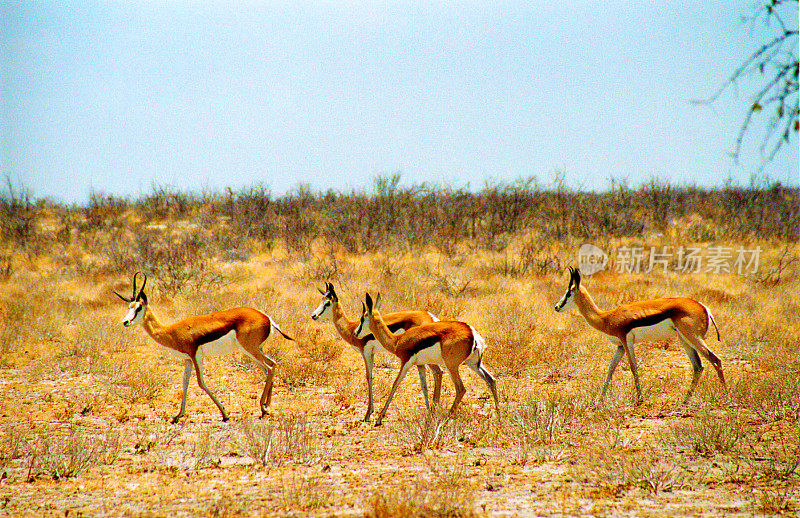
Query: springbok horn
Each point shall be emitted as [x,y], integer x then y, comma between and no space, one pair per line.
[141,290]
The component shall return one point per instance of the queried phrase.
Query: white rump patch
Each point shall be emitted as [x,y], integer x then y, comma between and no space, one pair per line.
[480,343]
[478,346]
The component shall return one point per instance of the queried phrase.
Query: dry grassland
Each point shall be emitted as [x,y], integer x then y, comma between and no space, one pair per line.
[86,404]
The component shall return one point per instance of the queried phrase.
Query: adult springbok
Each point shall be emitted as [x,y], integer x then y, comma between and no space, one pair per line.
[657,319]
[250,326]
[448,343]
[367,344]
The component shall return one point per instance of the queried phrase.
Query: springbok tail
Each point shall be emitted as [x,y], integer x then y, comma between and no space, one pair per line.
[278,329]
[711,318]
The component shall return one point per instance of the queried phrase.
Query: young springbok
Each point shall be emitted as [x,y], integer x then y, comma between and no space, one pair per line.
[657,319]
[187,337]
[447,343]
[366,345]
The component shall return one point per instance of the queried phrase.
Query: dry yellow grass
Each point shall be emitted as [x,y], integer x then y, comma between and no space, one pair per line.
[84,417]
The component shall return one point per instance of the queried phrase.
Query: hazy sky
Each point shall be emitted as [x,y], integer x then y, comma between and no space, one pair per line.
[118,97]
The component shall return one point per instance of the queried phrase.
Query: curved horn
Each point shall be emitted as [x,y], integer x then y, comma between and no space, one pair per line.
[144,282]
[133,293]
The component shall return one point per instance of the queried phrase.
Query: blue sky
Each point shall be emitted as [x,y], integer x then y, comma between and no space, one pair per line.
[118,97]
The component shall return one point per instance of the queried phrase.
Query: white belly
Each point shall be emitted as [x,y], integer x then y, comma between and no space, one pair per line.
[428,356]
[373,345]
[664,330]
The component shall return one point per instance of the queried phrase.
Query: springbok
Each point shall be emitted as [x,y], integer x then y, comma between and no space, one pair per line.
[657,319]
[448,343]
[366,345]
[187,337]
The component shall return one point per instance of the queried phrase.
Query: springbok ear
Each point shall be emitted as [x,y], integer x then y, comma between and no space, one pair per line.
[377,301]
[576,276]
[126,299]
[322,292]
[369,302]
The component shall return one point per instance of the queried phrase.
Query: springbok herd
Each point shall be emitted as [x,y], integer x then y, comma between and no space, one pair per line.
[420,339]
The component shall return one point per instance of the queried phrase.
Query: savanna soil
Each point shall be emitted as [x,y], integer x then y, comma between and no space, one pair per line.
[86,407]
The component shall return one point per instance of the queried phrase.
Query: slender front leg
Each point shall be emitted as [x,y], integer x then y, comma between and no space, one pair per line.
[423,383]
[187,373]
[400,376]
[611,367]
[201,381]
[634,370]
[369,354]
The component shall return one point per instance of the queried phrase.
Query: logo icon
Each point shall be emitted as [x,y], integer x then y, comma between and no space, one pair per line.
[591,259]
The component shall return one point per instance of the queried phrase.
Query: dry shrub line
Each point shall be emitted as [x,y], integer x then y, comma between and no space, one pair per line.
[618,471]
[275,441]
[710,433]
[52,453]
[543,429]
[448,491]
[307,493]
[391,214]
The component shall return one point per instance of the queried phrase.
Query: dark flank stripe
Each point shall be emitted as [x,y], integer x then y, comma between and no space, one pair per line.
[428,341]
[396,326]
[214,335]
[649,320]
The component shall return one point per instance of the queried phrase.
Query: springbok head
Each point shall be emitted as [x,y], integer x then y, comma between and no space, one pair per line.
[569,296]
[367,309]
[137,303]
[329,298]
